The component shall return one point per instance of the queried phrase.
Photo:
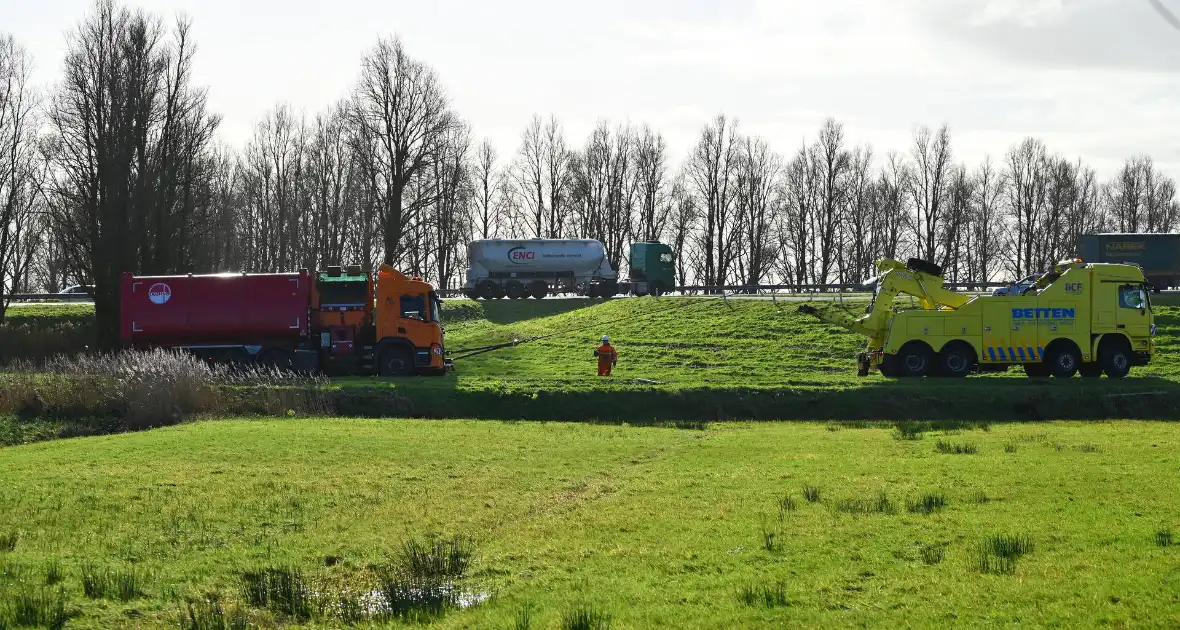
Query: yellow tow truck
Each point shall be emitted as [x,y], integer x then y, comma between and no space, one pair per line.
[1078,317]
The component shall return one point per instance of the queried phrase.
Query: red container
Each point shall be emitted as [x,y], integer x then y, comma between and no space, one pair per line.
[229,309]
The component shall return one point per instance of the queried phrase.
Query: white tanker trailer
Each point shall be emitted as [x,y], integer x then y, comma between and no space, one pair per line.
[537,267]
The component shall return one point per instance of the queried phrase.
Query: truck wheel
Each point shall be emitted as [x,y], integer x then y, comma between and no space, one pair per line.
[1090,370]
[1115,359]
[396,362]
[1062,361]
[515,290]
[914,360]
[486,290]
[956,360]
[539,290]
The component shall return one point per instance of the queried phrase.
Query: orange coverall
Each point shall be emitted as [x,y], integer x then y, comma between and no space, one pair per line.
[607,357]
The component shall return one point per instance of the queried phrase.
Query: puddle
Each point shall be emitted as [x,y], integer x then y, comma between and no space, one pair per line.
[375,604]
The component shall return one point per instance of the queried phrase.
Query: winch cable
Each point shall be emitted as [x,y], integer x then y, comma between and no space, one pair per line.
[470,352]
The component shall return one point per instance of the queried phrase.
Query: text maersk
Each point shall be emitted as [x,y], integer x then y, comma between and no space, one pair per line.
[1043,313]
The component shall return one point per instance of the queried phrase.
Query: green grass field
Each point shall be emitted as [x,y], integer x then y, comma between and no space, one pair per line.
[651,527]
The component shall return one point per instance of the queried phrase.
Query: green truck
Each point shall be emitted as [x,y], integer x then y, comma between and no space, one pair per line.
[653,269]
[1158,255]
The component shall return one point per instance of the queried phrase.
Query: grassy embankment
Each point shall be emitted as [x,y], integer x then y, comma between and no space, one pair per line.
[739,525]
[694,360]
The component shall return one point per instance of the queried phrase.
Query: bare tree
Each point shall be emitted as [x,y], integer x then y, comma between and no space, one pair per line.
[1027,178]
[832,163]
[710,171]
[931,154]
[857,223]
[272,180]
[651,164]
[404,113]
[128,131]
[802,198]
[22,171]
[986,223]
[756,188]
[487,208]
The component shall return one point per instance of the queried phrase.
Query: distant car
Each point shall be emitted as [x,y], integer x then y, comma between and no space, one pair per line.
[78,289]
[1018,287]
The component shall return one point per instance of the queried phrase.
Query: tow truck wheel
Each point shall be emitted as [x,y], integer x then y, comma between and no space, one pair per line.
[914,360]
[1062,362]
[956,360]
[516,291]
[1115,359]
[539,290]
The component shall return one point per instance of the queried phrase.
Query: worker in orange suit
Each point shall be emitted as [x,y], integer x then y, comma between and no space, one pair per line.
[607,356]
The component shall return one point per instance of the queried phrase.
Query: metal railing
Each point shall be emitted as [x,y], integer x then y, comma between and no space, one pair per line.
[50,297]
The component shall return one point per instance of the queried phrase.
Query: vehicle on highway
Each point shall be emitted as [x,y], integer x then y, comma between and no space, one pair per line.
[1018,288]
[522,268]
[78,289]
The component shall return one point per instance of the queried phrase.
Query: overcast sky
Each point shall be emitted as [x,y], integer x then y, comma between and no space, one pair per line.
[1096,79]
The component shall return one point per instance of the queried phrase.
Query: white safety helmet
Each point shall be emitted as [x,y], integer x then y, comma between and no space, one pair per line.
[605,339]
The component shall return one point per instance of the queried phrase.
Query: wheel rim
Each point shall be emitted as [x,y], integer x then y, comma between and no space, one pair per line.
[1066,362]
[1120,361]
[956,362]
[915,363]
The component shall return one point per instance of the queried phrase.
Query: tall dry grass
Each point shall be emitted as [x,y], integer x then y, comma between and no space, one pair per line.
[145,389]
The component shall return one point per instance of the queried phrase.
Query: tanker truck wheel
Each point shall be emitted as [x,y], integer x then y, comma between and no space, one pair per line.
[396,361]
[538,290]
[516,291]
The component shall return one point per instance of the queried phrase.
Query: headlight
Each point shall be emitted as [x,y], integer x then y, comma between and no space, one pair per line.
[437,350]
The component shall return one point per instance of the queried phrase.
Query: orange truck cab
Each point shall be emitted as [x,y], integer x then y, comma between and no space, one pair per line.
[384,323]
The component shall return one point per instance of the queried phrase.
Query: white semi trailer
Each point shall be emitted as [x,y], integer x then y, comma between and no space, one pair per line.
[538,267]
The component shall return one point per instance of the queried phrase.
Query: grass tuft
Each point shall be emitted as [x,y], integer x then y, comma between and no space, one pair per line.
[980,498]
[523,620]
[954,448]
[120,584]
[211,614]
[42,608]
[927,504]
[764,595]
[281,590]
[811,494]
[770,541]
[1009,448]
[909,430]
[1163,537]
[1090,448]
[932,554]
[786,504]
[585,618]
[8,541]
[423,582]
[999,553]
[881,504]
[54,573]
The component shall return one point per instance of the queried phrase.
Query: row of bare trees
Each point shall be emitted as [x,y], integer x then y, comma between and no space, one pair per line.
[117,168]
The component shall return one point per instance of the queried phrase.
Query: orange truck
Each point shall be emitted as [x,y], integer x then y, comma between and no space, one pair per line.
[339,321]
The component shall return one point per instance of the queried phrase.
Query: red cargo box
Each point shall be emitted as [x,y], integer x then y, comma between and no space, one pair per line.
[238,309]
